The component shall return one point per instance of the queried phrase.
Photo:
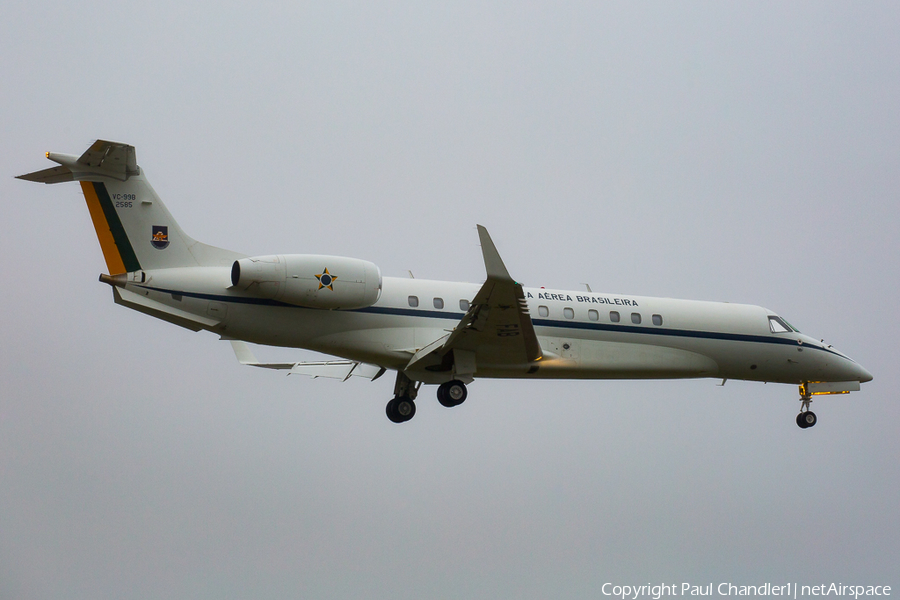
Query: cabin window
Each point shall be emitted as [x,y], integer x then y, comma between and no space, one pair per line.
[779,325]
[543,311]
[593,315]
[568,313]
[414,301]
[439,303]
[464,305]
[636,318]
[614,316]
[657,320]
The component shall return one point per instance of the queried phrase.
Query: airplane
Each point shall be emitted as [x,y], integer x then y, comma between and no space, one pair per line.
[429,332]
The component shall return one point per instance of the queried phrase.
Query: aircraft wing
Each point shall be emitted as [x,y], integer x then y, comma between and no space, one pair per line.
[159,310]
[497,328]
[333,369]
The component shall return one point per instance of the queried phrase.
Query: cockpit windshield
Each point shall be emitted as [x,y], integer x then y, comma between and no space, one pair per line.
[779,325]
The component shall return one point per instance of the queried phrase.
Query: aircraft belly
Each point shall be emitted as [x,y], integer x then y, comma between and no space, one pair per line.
[779,364]
[645,360]
[370,338]
[387,347]
[592,359]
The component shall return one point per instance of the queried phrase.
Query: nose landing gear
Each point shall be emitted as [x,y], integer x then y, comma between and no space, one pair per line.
[806,418]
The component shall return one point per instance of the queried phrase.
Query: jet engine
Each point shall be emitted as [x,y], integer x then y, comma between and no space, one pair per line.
[310,280]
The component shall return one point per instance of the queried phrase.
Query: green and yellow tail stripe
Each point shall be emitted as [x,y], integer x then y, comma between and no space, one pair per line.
[117,250]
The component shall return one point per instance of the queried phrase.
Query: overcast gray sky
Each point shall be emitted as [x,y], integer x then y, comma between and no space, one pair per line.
[745,152]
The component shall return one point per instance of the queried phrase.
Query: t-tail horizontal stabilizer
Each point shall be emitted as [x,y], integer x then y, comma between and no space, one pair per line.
[103,159]
[331,369]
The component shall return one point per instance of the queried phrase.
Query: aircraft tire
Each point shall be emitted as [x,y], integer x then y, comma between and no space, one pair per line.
[391,411]
[443,398]
[452,393]
[810,418]
[807,419]
[400,409]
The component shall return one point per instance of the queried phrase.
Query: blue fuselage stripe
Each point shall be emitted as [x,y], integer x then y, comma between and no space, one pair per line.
[456,317]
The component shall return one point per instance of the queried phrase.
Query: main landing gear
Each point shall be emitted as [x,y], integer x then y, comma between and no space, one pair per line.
[402,407]
[806,418]
[452,393]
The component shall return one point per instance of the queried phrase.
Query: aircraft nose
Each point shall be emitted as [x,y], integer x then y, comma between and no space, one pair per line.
[863,375]
[851,370]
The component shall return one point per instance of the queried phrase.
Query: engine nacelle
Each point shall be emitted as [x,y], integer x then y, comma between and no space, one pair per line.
[309,280]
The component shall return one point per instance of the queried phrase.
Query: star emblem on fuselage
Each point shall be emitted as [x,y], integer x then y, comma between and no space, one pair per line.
[326,280]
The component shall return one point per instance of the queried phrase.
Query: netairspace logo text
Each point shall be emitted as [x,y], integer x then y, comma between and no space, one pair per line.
[787,590]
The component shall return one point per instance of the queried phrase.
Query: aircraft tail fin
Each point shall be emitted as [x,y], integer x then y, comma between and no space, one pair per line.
[135,229]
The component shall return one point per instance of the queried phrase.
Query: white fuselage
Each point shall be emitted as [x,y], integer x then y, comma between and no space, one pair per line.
[434,332]
[578,332]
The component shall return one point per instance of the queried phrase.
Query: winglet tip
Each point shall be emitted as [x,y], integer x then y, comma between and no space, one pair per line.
[492,261]
[243,352]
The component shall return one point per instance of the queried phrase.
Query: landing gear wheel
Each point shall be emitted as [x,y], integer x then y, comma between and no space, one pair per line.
[391,411]
[400,409]
[406,408]
[806,419]
[452,393]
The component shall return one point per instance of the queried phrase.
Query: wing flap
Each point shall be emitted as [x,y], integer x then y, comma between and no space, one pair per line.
[331,369]
[337,369]
[435,345]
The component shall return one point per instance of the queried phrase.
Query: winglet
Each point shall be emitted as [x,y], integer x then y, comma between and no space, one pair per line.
[245,356]
[492,261]
[243,352]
